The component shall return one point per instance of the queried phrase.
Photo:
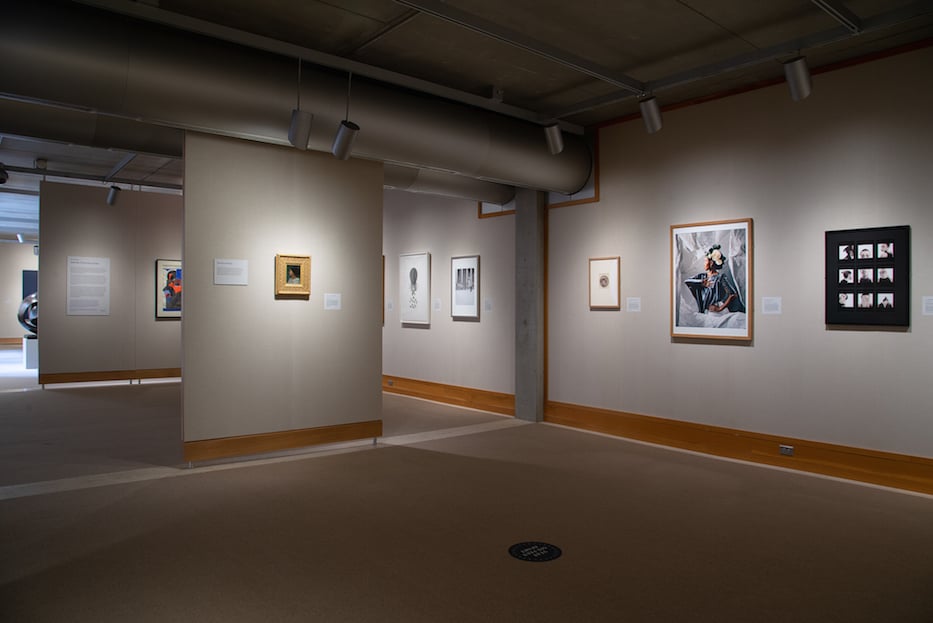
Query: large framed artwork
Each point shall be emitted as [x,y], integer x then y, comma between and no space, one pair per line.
[414,283]
[292,276]
[464,287]
[604,283]
[711,280]
[868,276]
[168,289]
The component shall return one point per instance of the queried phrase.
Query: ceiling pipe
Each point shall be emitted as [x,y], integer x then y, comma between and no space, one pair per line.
[89,60]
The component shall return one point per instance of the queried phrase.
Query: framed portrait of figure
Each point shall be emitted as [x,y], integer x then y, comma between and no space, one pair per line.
[604,283]
[292,276]
[711,280]
[868,276]
[414,288]
[168,289]
[464,287]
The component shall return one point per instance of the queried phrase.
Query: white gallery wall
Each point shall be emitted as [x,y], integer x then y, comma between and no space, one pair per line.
[139,228]
[856,154]
[253,363]
[14,258]
[478,355]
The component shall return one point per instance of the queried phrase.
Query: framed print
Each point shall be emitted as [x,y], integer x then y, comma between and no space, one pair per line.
[168,288]
[293,276]
[604,283]
[868,276]
[414,283]
[464,287]
[711,280]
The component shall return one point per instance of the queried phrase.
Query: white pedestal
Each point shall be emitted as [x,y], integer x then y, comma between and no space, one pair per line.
[31,353]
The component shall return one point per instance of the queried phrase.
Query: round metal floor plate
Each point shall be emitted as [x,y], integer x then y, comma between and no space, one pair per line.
[535,551]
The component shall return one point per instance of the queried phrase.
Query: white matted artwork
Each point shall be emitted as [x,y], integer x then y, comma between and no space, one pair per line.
[604,282]
[464,287]
[414,283]
[711,280]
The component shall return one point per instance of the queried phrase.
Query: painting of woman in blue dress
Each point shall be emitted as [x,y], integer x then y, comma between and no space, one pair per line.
[711,279]
[714,290]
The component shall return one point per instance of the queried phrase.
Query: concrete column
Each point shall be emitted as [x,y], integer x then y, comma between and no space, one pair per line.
[529,304]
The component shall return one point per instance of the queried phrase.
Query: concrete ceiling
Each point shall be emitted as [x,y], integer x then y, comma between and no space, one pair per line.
[582,63]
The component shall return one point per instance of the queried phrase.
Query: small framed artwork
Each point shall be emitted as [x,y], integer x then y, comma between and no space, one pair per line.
[414,284]
[168,288]
[711,280]
[604,283]
[293,276]
[868,276]
[464,287]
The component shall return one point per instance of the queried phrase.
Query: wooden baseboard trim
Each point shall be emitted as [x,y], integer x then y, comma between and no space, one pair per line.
[108,375]
[226,447]
[481,399]
[888,469]
[11,341]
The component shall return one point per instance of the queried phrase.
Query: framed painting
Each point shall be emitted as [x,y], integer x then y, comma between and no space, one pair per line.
[604,283]
[868,276]
[168,289]
[711,280]
[414,283]
[464,287]
[293,276]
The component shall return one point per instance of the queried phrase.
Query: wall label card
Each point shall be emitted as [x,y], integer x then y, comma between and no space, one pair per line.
[88,286]
[231,272]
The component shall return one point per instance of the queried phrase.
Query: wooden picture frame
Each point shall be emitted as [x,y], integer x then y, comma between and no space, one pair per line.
[868,276]
[605,288]
[711,280]
[292,276]
[168,289]
[414,288]
[464,287]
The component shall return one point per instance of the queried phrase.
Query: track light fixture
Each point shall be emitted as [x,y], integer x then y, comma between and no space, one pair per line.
[346,133]
[651,114]
[299,130]
[555,138]
[112,195]
[798,78]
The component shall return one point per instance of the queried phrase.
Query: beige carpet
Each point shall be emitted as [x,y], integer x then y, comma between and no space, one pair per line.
[420,532]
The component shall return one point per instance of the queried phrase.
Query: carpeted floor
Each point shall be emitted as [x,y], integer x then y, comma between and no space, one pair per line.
[417,528]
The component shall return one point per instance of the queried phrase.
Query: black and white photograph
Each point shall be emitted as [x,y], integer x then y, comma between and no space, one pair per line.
[464,287]
[864,277]
[414,284]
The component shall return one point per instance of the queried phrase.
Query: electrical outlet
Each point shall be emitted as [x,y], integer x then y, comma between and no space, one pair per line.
[786,450]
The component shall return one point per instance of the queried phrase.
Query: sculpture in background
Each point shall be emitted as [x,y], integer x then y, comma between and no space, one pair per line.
[28,314]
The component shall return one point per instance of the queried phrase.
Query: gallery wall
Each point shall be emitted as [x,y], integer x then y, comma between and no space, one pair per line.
[855,154]
[473,354]
[14,258]
[139,228]
[254,363]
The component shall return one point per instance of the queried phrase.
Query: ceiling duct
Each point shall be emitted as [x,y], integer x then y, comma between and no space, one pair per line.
[90,60]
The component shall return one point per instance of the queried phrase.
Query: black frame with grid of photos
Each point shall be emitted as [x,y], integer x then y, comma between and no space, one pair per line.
[868,276]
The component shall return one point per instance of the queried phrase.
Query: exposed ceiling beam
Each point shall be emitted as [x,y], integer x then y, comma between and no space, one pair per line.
[259,42]
[795,46]
[19,191]
[128,158]
[841,13]
[448,13]
[92,178]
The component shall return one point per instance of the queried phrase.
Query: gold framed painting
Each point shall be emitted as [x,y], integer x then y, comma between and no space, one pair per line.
[292,276]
